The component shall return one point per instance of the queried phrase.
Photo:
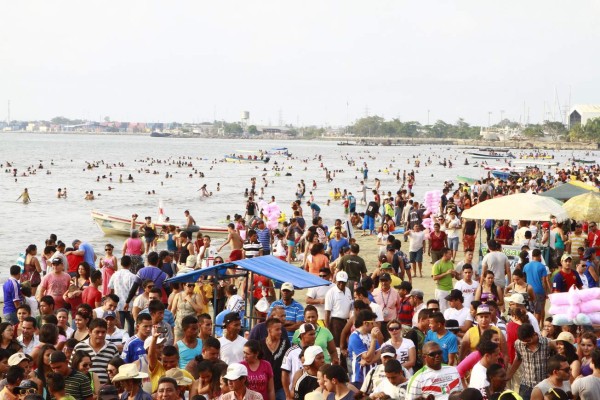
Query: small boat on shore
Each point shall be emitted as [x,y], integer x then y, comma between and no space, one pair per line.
[465,179]
[121,226]
[537,163]
[504,175]
[494,149]
[159,134]
[278,151]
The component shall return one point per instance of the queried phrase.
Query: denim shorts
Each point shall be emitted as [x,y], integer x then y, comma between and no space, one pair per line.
[416,256]
[453,243]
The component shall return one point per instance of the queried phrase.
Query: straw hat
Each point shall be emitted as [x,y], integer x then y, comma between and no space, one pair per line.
[129,371]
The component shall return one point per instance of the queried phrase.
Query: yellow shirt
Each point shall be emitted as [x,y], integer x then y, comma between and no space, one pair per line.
[160,371]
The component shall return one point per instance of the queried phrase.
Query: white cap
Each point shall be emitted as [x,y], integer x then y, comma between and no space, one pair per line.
[516,298]
[341,276]
[311,353]
[288,286]
[307,327]
[148,341]
[236,371]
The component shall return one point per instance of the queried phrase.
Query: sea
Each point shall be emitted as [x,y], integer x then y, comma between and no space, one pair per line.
[46,162]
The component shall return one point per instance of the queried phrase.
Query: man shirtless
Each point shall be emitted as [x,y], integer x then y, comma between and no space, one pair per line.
[236,243]
[190,223]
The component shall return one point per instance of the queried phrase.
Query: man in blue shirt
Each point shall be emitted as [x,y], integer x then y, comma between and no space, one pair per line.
[446,339]
[264,237]
[12,295]
[294,312]
[536,275]
[134,347]
[337,243]
[362,346]
[85,250]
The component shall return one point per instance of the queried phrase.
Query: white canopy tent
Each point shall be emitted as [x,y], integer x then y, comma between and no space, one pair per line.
[520,206]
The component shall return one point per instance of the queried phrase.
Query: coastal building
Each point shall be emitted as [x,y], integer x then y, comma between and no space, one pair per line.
[582,113]
[501,134]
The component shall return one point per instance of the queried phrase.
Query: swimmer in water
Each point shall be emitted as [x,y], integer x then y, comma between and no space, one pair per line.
[25,196]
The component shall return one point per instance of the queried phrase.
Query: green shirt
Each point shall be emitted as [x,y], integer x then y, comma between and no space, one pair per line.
[440,267]
[323,337]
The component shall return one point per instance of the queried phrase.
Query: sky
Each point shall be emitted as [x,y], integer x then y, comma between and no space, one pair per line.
[298,62]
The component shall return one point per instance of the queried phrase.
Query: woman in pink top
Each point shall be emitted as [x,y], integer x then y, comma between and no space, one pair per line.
[134,248]
[260,373]
[108,265]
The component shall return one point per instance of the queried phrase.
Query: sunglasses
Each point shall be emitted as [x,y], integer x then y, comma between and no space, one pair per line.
[434,354]
[27,391]
[323,276]
[393,328]
[191,285]
[107,249]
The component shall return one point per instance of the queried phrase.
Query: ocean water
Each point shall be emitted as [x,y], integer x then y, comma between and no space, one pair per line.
[66,158]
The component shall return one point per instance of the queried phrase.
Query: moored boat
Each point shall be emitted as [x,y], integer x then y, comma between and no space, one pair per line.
[121,226]
[490,156]
[465,179]
[578,160]
[537,163]
[278,151]
[240,159]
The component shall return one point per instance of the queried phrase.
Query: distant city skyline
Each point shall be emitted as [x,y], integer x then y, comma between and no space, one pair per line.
[310,63]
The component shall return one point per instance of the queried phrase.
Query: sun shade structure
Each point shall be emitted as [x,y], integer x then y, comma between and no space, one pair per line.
[269,266]
[567,191]
[520,206]
[585,207]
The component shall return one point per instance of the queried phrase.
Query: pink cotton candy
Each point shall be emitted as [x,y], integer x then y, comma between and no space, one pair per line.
[586,295]
[559,309]
[591,306]
[560,299]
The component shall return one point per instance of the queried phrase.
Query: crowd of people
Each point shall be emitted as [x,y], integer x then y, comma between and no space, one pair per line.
[80,326]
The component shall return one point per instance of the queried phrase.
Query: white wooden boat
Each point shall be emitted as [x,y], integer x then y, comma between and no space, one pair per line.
[244,160]
[121,226]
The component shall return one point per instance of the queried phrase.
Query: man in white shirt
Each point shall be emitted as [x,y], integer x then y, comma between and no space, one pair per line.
[207,253]
[416,300]
[394,384]
[490,352]
[115,335]
[316,295]
[120,284]
[456,310]
[468,260]
[338,304]
[467,285]
[28,339]
[415,248]
[232,344]
[361,294]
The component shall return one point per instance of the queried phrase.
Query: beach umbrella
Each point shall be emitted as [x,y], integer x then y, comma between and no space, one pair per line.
[585,207]
[520,206]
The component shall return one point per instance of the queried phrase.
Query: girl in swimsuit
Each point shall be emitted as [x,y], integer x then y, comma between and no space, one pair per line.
[488,290]
[587,345]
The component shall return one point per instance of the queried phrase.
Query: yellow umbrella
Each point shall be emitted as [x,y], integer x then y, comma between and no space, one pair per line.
[585,207]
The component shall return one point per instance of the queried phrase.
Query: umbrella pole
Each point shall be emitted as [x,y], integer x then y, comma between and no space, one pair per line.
[215,300]
[249,299]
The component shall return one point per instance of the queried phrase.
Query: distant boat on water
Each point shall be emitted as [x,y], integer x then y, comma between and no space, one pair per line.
[159,134]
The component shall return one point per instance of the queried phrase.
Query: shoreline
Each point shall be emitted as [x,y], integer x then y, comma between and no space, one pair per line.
[372,140]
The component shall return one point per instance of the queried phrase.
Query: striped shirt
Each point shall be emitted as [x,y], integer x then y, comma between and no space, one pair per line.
[576,242]
[252,249]
[294,312]
[78,385]
[99,360]
[264,237]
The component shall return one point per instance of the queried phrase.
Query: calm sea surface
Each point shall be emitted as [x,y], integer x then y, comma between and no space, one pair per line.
[66,157]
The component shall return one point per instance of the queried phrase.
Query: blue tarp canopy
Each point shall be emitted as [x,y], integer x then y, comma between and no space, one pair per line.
[269,266]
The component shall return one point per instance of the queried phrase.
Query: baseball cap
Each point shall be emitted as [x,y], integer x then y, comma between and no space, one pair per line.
[231,317]
[516,298]
[148,342]
[386,265]
[110,314]
[545,225]
[385,277]
[288,286]
[566,257]
[236,371]
[417,293]
[17,358]
[452,325]
[455,294]
[311,353]
[306,328]
[25,384]
[57,260]
[341,276]
[483,309]
[388,351]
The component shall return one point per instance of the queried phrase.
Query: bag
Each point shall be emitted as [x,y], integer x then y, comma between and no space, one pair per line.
[262,305]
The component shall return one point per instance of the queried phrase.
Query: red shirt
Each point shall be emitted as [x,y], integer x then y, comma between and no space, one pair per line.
[437,240]
[405,313]
[594,240]
[91,296]
[74,261]
[505,234]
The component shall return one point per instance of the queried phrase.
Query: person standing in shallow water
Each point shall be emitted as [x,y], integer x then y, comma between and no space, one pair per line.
[25,196]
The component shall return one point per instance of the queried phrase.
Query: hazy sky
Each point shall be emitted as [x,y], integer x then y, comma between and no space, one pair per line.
[312,62]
